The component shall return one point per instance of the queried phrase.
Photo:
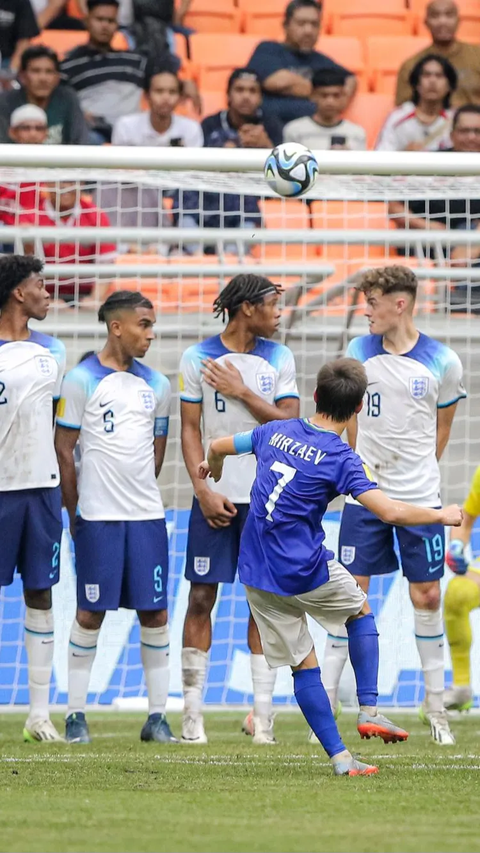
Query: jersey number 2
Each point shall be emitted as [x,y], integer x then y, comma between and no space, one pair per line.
[3,398]
[288,474]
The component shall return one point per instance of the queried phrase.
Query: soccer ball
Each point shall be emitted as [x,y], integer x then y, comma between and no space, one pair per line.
[291,169]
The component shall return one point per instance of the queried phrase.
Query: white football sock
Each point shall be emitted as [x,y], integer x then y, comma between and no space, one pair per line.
[154,647]
[194,670]
[429,638]
[334,660]
[39,648]
[82,649]
[263,679]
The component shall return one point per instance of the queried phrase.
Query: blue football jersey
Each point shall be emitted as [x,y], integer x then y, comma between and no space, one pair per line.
[300,469]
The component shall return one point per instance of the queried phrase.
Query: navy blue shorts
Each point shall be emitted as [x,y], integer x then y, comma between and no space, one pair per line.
[31,532]
[121,564]
[212,554]
[366,547]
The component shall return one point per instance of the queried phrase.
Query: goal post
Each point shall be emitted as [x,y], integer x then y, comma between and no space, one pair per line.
[157,236]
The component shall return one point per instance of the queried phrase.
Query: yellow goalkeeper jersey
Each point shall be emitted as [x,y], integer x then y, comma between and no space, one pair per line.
[472,503]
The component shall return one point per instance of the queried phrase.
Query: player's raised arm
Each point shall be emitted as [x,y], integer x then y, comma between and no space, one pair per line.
[408,515]
[231,445]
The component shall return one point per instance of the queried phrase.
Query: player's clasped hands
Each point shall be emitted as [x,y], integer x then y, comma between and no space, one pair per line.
[225,378]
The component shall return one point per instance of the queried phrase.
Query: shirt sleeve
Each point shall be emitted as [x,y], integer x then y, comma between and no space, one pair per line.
[195,136]
[257,435]
[354,477]
[243,442]
[472,503]
[162,411]
[267,58]
[75,130]
[387,138]
[354,350]
[60,355]
[119,135]
[26,23]
[72,401]
[287,376]
[190,377]
[451,389]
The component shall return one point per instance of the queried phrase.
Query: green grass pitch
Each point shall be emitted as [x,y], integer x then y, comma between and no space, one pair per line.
[118,794]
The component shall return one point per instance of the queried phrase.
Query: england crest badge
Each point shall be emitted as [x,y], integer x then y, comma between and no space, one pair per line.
[265,383]
[419,387]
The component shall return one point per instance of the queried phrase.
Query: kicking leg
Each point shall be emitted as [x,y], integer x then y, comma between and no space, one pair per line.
[154,647]
[82,649]
[39,648]
[197,640]
[259,723]
[336,654]
[462,596]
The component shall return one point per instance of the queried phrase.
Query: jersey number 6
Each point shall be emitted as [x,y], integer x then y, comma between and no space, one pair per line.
[288,474]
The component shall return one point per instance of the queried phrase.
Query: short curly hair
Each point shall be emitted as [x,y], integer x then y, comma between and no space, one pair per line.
[391,279]
[13,270]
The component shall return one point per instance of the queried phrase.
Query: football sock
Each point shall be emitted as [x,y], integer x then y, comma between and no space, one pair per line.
[462,596]
[194,669]
[82,649]
[363,650]
[315,706]
[335,658]
[429,639]
[39,648]
[154,649]
[263,679]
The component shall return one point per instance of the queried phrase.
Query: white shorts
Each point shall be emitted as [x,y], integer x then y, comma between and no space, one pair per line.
[282,620]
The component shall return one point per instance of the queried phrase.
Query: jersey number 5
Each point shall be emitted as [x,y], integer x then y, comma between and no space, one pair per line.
[288,474]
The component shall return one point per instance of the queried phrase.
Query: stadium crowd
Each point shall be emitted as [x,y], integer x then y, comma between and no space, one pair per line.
[190,73]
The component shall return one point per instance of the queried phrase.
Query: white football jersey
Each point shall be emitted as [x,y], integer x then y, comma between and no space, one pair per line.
[118,414]
[397,427]
[31,374]
[268,370]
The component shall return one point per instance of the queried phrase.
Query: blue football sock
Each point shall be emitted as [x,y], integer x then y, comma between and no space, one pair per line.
[315,706]
[363,650]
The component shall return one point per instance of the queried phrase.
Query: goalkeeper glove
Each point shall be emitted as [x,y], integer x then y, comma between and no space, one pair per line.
[456,558]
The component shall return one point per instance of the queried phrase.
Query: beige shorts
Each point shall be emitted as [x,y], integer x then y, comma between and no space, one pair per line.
[282,620]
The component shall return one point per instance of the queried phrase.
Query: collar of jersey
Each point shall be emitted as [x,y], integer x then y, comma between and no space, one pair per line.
[255,351]
[319,429]
[107,370]
[402,354]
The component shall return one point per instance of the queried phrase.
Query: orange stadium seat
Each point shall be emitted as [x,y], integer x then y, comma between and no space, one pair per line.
[370,109]
[213,102]
[74,10]
[350,214]
[265,21]
[288,213]
[335,7]
[253,5]
[363,23]
[347,51]
[206,17]
[419,6]
[385,54]
[217,56]
[62,41]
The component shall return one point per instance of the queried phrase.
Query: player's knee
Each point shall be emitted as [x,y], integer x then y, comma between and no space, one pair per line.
[90,620]
[201,600]
[38,599]
[153,618]
[425,596]
[462,595]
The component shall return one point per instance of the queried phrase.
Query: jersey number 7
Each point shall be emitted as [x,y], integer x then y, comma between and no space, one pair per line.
[288,474]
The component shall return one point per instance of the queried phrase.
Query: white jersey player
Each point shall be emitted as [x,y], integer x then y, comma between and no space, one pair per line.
[414,385]
[230,382]
[31,371]
[119,409]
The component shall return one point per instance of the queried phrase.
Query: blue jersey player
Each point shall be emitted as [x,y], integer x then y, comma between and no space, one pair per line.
[31,372]
[118,409]
[414,385]
[232,381]
[288,572]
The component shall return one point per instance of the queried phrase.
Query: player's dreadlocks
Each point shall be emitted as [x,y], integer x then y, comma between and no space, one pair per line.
[13,270]
[122,300]
[243,288]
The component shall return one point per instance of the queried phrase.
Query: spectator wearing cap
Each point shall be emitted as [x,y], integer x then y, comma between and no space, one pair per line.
[327,128]
[424,122]
[286,68]
[40,86]
[442,19]
[243,124]
[17,27]
[28,125]
[160,125]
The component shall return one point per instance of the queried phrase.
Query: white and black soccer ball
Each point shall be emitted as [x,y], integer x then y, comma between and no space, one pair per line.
[291,169]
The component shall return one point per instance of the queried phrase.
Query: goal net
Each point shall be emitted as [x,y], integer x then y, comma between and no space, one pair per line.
[178,224]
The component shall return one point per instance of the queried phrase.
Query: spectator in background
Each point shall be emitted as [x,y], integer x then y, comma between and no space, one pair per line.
[160,125]
[28,125]
[40,85]
[17,27]
[286,68]
[326,128]
[52,15]
[442,19]
[243,124]
[108,82]
[424,122]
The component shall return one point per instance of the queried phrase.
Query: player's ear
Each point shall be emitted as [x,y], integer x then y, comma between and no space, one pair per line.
[359,408]
[315,396]
[115,327]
